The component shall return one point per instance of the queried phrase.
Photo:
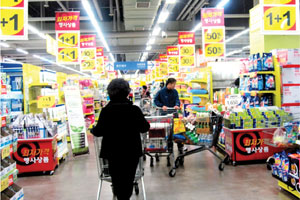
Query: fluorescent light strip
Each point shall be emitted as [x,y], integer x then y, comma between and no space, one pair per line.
[156,31]
[171,1]
[36,31]
[2,44]
[237,35]
[148,48]
[151,41]
[11,60]
[163,16]
[92,17]
[22,51]
[238,51]
[222,3]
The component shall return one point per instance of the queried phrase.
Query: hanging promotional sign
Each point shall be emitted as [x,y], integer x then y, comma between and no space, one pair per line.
[51,45]
[88,52]
[76,120]
[212,17]
[67,26]
[163,57]
[130,66]
[99,52]
[100,70]
[186,41]
[173,59]
[46,101]
[14,20]
[157,70]
[280,17]
[186,38]
[213,32]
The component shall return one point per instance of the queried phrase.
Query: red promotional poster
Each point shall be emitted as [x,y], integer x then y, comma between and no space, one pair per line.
[106,59]
[186,38]
[212,16]
[173,51]
[163,57]
[67,21]
[99,52]
[87,41]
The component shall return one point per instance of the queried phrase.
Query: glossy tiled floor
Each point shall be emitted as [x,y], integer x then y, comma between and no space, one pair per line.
[76,179]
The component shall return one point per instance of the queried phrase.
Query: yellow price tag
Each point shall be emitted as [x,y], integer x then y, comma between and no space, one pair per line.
[279,2]
[88,65]
[67,55]
[87,54]
[187,50]
[157,72]
[214,50]
[280,18]
[46,102]
[12,3]
[4,184]
[12,22]
[5,152]
[173,68]
[173,60]
[187,61]
[163,68]
[68,40]
[212,35]
[99,66]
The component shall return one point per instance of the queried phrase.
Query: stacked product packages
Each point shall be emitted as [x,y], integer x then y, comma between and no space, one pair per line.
[287,168]
[288,135]
[267,117]
[33,126]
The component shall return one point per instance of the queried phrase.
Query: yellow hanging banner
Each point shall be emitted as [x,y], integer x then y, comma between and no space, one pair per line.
[88,65]
[173,68]
[99,66]
[188,50]
[46,102]
[67,55]
[89,53]
[214,50]
[279,2]
[187,61]
[12,23]
[12,3]
[68,39]
[213,35]
[173,60]
[163,69]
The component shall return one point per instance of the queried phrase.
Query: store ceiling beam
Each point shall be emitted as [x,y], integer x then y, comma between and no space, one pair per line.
[236,16]
[189,9]
[50,19]
[98,10]
[183,10]
[62,5]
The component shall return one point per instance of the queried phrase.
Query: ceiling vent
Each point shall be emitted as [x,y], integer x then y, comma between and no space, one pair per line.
[142,3]
[139,28]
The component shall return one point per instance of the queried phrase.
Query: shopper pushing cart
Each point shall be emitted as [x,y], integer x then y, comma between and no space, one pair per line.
[120,125]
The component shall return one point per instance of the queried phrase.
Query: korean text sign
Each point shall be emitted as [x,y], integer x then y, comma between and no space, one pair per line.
[186,38]
[212,16]
[88,52]
[67,21]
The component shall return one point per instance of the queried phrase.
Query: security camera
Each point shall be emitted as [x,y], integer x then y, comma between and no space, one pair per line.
[164,34]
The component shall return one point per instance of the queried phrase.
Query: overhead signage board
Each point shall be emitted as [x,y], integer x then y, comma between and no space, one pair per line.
[88,53]
[280,17]
[14,19]
[130,66]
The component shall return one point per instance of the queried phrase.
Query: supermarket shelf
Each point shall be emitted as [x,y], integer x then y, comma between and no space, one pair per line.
[96,99]
[12,95]
[198,81]
[181,90]
[252,74]
[40,85]
[182,83]
[92,113]
[288,189]
[5,179]
[16,113]
[200,95]
[261,91]
[62,154]
[185,98]
[87,96]
[96,108]
[61,135]
[32,102]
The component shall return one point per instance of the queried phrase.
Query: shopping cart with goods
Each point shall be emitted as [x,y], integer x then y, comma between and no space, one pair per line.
[103,171]
[158,140]
[203,133]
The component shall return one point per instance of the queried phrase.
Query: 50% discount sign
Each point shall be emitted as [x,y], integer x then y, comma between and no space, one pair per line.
[212,35]
[214,50]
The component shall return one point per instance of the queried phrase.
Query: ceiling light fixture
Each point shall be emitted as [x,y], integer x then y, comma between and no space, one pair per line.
[163,16]
[156,31]
[151,41]
[148,48]
[171,1]
[2,44]
[222,3]
[92,17]
[36,31]
[22,51]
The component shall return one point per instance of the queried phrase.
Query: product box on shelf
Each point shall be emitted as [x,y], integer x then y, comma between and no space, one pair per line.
[291,94]
[288,56]
[48,76]
[291,75]
[13,192]
[294,173]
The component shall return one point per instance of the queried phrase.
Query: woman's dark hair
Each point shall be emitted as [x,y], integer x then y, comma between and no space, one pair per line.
[144,87]
[118,89]
[170,81]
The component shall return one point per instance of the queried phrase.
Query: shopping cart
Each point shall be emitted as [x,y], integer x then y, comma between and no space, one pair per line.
[103,172]
[158,141]
[206,137]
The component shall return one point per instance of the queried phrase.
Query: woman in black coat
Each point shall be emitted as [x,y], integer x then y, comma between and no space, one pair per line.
[120,124]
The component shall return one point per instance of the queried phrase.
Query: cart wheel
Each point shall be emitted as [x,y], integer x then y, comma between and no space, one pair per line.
[151,162]
[157,157]
[51,173]
[269,167]
[234,163]
[172,173]
[136,189]
[177,162]
[221,166]
[168,161]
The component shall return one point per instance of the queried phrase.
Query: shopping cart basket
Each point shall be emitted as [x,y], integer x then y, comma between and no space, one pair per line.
[103,172]
[146,106]
[205,138]
[158,141]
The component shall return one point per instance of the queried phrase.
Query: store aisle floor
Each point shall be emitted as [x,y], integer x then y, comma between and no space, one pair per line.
[76,179]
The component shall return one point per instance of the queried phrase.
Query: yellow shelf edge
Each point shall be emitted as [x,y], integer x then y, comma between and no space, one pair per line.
[89,113]
[39,85]
[287,188]
[198,81]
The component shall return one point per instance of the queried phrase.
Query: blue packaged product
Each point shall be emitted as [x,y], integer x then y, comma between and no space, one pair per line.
[257,63]
[254,68]
[268,62]
[269,82]
[16,83]
[266,101]
[251,63]
[252,102]
[16,105]
[255,83]
[256,101]
[260,82]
